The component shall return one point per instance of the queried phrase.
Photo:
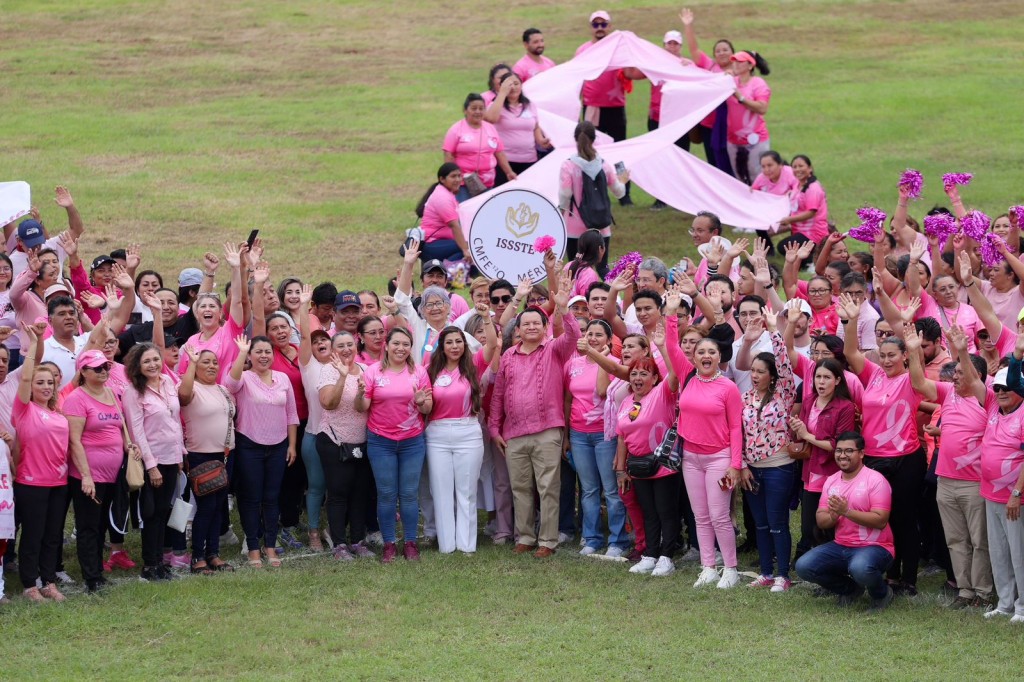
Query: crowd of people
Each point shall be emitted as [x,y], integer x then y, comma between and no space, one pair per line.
[653,410]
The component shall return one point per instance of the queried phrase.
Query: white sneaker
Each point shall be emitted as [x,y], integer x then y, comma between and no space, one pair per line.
[1017,619]
[664,567]
[65,578]
[374,539]
[692,554]
[995,613]
[563,538]
[645,565]
[325,536]
[730,578]
[245,547]
[708,576]
[614,552]
[587,550]
[583,541]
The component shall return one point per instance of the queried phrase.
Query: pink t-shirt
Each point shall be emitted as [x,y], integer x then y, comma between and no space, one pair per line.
[742,121]
[604,91]
[866,491]
[1006,342]
[391,392]
[1001,454]
[586,412]
[644,433]
[585,276]
[786,186]
[44,456]
[265,411]
[516,126]
[221,344]
[963,425]
[526,68]
[813,198]
[888,410]
[101,438]
[965,316]
[452,393]
[474,148]
[1007,304]
[441,208]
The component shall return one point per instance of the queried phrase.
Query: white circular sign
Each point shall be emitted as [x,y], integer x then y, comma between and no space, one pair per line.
[503,232]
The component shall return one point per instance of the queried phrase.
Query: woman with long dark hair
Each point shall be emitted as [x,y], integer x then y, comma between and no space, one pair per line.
[438,211]
[517,122]
[587,267]
[809,220]
[585,162]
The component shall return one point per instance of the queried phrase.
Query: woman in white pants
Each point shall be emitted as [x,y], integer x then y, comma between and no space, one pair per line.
[455,446]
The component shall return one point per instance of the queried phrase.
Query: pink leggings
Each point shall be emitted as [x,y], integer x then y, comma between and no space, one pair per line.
[710,505]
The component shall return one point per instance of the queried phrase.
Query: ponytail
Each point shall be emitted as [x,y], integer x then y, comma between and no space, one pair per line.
[585,135]
[442,172]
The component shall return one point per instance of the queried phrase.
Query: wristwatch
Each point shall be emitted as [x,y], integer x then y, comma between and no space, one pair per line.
[1015,493]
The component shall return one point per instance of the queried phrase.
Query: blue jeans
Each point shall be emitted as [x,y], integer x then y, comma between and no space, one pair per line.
[441,249]
[594,459]
[259,470]
[206,524]
[841,569]
[316,484]
[462,194]
[397,466]
[770,508]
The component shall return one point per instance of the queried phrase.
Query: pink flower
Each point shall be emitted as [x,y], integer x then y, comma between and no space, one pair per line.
[543,244]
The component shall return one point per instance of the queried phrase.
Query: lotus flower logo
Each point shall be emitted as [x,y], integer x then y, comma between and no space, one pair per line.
[521,222]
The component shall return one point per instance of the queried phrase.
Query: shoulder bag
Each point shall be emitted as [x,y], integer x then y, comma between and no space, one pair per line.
[135,474]
[212,476]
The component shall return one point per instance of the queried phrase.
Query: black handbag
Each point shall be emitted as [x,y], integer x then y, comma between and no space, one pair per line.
[642,466]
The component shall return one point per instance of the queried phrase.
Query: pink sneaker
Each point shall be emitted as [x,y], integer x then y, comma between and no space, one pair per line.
[178,560]
[411,551]
[763,581]
[390,550]
[119,559]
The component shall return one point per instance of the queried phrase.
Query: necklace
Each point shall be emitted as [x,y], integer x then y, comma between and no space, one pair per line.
[709,379]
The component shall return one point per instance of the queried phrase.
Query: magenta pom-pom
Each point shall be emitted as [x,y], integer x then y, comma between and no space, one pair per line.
[870,227]
[631,259]
[949,180]
[991,254]
[912,181]
[543,244]
[942,226]
[1019,212]
[975,225]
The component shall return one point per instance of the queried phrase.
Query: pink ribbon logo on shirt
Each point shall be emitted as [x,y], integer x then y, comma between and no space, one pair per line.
[1008,478]
[895,421]
[869,534]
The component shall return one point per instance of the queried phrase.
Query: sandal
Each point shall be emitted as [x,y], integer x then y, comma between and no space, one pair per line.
[220,565]
[315,543]
[274,561]
[204,569]
[255,562]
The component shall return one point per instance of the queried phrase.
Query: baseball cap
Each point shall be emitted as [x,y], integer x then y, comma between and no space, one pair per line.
[433,265]
[600,14]
[55,289]
[170,340]
[1000,377]
[685,298]
[805,308]
[90,358]
[673,37]
[101,260]
[30,232]
[742,56]
[190,277]
[346,299]
[576,299]
[319,332]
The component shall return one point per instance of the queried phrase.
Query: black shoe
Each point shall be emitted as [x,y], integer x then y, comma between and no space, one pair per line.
[883,603]
[902,589]
[625,201]
[960,603]
[846,600]
[150,574]
[163,572]
[658,205]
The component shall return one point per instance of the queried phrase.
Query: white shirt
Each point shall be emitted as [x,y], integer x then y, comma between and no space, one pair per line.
[742,377]
[865,327]
[420,329]
[59,355]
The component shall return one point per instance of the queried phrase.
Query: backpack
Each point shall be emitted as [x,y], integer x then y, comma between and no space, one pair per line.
[594,207]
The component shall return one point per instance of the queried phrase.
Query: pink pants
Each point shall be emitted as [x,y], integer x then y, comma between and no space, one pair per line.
[636,519]
[710,505]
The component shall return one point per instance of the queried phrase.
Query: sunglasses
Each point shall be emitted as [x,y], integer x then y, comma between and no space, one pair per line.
[1000,389]
[105,367]
[495,300]
[983,336]
[599,24]
[634,411]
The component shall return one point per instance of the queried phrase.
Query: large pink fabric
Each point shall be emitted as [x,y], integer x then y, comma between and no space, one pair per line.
[663,170]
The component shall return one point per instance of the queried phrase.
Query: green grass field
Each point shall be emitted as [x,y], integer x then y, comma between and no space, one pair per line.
[182,124]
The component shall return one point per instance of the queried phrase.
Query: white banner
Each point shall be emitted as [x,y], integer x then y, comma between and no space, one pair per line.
[503,232]
[15,201]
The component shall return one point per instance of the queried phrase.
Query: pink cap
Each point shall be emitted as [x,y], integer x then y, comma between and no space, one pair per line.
[673,37]
[90,358]
[600,14]
[743,57]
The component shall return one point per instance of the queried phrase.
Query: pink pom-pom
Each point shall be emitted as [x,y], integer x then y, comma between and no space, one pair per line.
[870,227]
[543,244]
[631,259]
[991,253]
[912,181]
[1018,211]
[975,225]
[942,226]
[950,180]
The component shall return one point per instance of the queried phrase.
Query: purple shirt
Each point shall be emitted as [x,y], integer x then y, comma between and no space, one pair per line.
[528,390]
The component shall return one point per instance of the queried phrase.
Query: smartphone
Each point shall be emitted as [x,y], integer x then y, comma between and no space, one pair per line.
[252,238]
[755,487]
[724,483]
[620,167]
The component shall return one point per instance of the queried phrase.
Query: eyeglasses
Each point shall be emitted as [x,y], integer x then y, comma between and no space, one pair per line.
[433,305]
[1000,389]
[110,343]
[5,269]
[375,332]
[495,300]
[818,292]
[599,24]
[822,354]
[634,411]
[105,367]
[855,293]
[882,334]
[538,300]
[846,451]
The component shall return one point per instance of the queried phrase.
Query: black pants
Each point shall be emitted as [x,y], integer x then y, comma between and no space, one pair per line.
[156,509]
[41,514]
[683,142]
[659,500]
[810,535]
[293,486]
[517,167]
[348,487]
[612,122]
[749,527]
[571,245]
[206,524]
[91,525]
[905,475]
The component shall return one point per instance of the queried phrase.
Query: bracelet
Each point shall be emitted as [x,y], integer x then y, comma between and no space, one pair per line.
[620,471]
[841,321]
[210,274]
[973,282]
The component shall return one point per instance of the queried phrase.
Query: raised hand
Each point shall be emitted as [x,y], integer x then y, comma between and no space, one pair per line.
[908,313]
[32,336]
[232,254]
[582,346]
[122,278]
[753,331]
[771,319]
[912,338]
[738,247]
[956,337]
[623,280]
[93,300]
[760,248]
[762,273]
[686,16]
[68,243]
[210,261]
[261,273]
[966,273]
[306,295]
[685,285]
[389,304]
[793,311]
[5,333]
[482,309]
[792,252]
[412,252]
[133,256]
[916,251]
[658,335]
[255,254]
[805,249]
[847,307]
[192,353]
[717,252]
[525,284]
[34,264]
[876,279]
[422,396]
[243,343]
[62,197]
[561,297]
[112,299]
[672,299]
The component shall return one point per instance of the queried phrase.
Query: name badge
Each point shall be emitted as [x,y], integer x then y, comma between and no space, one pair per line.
[444,381]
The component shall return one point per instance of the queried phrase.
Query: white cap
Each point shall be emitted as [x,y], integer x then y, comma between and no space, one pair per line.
[600,14]
[1000,377]
[576,299]
[687,300]
[55,289]
[805,308]
[673,37]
